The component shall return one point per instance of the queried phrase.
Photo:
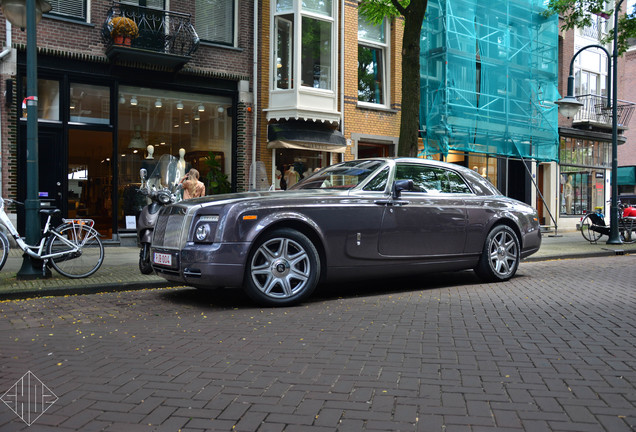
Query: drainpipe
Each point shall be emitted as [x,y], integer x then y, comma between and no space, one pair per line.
[3,54]
[255,97]
[342,79]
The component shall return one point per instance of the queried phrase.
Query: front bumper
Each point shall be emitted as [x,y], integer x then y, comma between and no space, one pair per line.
[204,265]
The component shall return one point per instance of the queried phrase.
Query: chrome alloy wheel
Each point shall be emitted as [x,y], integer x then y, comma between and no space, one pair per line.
[280,268]
[503,253]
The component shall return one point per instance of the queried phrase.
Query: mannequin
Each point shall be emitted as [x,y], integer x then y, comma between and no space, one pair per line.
[569,195]
[181,164]
[291,176]
[151,150]
[279,175]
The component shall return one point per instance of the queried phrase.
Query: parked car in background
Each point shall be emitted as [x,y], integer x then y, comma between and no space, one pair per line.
[360,219]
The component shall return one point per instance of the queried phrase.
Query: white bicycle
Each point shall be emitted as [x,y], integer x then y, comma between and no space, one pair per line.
[74,248]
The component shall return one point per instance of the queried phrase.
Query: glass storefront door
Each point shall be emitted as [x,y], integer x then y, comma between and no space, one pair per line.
[90,178]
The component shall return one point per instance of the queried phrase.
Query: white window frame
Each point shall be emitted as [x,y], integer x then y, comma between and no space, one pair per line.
[385,48]
[290,53]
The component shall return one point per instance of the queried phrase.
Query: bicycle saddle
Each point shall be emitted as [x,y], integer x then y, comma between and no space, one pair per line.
[50,212]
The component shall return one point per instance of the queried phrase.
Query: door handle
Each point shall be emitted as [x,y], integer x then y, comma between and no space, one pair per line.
[391,202]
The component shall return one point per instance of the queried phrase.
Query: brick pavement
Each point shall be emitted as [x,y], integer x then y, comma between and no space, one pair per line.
[550,350]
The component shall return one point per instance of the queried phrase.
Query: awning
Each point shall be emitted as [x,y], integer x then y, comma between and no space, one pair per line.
[305,136]
[626,176]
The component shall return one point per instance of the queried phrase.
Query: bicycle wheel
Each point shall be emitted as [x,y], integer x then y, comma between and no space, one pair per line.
[4,249]
[627,229]
[81,263]
[586,230]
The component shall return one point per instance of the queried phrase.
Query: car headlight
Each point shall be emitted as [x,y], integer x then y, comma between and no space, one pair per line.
[202,232]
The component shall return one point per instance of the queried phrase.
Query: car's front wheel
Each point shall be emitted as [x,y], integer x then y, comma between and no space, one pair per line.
[283,268]
[501,254]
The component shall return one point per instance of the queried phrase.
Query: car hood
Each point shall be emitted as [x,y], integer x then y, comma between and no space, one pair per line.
[254,196]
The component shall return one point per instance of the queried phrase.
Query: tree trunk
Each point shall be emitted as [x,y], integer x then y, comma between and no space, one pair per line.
[410,121]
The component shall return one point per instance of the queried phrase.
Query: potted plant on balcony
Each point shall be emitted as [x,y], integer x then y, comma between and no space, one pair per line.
[123,30]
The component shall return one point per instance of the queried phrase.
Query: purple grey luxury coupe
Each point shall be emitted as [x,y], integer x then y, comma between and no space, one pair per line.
[360,219]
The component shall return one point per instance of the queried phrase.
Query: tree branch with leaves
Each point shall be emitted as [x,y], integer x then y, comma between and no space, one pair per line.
[412,11]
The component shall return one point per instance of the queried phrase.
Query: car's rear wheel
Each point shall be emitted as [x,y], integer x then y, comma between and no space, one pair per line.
[501,254]
[283,268]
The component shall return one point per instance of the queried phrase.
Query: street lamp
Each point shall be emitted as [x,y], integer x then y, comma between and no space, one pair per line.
[27,13]
[568,106]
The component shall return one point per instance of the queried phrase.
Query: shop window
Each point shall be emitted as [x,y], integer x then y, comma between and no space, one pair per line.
[214,20]
[89,104]
[372,54]
[581,190]
[154,122]
[48,100]
[71,9]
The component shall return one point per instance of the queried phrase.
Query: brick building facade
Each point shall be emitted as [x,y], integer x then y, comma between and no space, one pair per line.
[107,110]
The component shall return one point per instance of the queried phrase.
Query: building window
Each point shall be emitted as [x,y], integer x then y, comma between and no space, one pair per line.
[154,4]
[316,44]
[283,54]
[372,50]
[214,20]
[73,9]
[315,69]
[582,182]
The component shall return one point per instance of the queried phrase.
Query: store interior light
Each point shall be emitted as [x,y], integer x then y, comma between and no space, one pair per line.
[186,120]
[158,103]
[201,108]
[197,117]
[133,101]
[220,109]
[122,99]
[179,105]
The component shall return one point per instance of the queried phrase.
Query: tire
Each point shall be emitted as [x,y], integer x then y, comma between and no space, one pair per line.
[144,259]
[283,269]
[500,256]
[82,263]
[627,229]
[4,249]
[587,232]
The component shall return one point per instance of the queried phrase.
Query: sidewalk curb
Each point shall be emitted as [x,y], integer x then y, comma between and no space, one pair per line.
[90,289]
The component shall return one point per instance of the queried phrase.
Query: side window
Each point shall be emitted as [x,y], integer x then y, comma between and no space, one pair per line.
[433,180]
[457,184]
[378,183]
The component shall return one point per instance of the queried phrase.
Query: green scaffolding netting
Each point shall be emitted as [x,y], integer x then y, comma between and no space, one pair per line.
[489,79]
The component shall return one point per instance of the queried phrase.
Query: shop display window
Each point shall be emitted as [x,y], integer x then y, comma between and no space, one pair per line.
[192,127]
[295,165]
[48,100]
[89,104]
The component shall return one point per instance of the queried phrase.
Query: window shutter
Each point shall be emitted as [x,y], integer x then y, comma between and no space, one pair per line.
[69,8]
[214,20]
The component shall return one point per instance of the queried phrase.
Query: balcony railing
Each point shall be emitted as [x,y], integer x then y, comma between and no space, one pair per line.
[165,37]
[595,111]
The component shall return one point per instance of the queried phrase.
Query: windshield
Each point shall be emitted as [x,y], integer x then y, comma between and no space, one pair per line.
[165,173]
[344,176]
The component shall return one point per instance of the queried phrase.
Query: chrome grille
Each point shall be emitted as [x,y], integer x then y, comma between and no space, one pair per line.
[169,228]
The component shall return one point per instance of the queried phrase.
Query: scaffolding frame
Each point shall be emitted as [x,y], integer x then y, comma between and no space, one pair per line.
[489,75]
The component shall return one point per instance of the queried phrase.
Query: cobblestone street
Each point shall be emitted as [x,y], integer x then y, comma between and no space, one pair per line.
[550,350]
